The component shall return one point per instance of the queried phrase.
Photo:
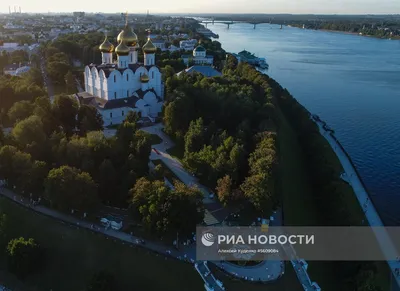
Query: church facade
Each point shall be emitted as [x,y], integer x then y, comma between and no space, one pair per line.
[199,57]
[117,86]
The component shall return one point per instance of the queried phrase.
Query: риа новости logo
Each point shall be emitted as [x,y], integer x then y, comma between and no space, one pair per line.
[208,239]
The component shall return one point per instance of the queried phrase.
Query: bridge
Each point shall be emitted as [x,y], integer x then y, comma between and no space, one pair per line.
[229,23]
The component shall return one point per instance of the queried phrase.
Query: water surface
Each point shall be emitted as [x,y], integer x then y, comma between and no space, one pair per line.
[351,82]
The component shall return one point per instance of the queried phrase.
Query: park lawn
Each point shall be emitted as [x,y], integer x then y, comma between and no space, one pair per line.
[297,202]
[288,282]
[74,254]
[167,171]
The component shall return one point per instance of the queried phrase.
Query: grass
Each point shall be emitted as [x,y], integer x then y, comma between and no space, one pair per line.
[298,205]
[288,282]
[297,201]
[73,255]
[167,172]
[176,151]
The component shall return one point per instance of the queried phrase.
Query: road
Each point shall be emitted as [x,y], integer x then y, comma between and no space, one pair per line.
[371,214]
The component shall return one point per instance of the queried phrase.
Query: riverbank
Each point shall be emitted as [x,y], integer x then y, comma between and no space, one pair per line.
[361,193]
[354,33]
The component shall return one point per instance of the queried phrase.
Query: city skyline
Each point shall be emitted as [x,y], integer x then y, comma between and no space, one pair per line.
[219,6]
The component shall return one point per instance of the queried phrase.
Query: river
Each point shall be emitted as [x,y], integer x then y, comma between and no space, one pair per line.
[352,82]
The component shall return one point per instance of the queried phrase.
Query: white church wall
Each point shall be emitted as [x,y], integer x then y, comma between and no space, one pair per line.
[116,115]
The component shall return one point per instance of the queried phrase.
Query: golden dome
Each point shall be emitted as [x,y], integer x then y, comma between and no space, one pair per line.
[144,78]
[149,47]
[128,36]
[122,49]
[106,46]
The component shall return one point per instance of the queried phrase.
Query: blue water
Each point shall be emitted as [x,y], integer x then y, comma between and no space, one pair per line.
[351,82]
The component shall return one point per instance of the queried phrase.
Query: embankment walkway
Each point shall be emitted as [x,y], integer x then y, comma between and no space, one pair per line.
[356,183]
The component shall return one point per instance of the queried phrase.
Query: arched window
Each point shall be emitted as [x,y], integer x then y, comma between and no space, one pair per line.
[115,79]
[110,114]
[127,93]
[127,77]
[152,75]
[115,95]
[122,113]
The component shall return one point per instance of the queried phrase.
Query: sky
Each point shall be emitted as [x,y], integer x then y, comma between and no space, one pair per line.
[211,6]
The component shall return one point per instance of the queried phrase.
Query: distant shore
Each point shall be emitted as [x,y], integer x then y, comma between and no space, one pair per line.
[353,33]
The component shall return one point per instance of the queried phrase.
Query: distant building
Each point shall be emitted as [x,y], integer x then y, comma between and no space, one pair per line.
[173,48]
[79,14]
[199,57]
[10,47]
[15,69]
[187,45]
[206,71]
[159,43]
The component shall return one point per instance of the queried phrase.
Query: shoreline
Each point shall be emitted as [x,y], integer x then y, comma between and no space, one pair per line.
[356,34]
[361,192]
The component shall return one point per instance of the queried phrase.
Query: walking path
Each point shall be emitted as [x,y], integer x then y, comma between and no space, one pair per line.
[371,214]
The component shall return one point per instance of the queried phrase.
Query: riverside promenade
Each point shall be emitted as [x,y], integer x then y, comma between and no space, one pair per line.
[363,198]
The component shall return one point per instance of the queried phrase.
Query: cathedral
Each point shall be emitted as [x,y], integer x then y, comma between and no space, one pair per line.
[116,87]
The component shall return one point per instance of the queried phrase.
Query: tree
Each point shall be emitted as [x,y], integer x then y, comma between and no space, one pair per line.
[168,72]
[34,76]
[68,188]
[194,138]
[108,182]
[7,154]
[70,83]
[34,181]
[65,109]
[224,189]
[164,210]
[29,131]
[89,119]
[25,256]
[20,110]
[132,117]
[3,226]
[147,203]
[43,109]
[186,208]
[102,281]
[258,189]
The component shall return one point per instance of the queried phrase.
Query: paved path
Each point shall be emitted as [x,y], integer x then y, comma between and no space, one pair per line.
[173,164]
[267,270]
[371,214]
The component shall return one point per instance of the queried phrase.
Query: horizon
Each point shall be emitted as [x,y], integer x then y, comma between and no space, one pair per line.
[312,7]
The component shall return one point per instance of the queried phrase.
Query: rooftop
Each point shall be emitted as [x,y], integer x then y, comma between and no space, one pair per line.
[206,71]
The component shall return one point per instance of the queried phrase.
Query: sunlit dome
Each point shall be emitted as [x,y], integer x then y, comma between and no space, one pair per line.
[149,47]
[122,49]
[128,36]
[106,46]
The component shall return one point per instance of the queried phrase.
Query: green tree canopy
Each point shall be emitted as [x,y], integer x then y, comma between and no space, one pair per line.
[89,119]
[20,110]
[65,109]
[25,256]
[28,131]
[68,188]
[164,210]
